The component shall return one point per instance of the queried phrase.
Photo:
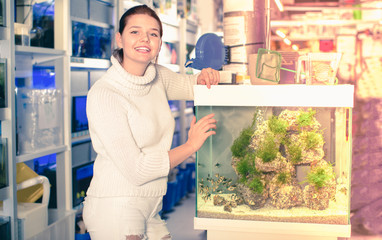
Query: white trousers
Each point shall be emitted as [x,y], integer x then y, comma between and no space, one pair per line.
[115,218]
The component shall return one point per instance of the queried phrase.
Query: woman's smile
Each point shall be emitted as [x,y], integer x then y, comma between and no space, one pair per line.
[143,49]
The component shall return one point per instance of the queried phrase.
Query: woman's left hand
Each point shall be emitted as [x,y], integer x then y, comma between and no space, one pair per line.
[208,76]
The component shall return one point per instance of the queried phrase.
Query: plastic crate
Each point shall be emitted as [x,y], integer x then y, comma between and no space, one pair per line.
[60,226]
[179,190]
[184,183]
[169,198]
[32,219]
[191,180]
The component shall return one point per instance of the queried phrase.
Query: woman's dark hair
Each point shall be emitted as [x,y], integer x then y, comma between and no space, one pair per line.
[140,9]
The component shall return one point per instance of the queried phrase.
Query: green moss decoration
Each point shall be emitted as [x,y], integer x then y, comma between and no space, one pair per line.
[306,118]
[243,167]
[313,139]
[295,153]
[283,178]
[256,185]
[320,177]
[239,147]
[277,126]
[269,149]
[246,167]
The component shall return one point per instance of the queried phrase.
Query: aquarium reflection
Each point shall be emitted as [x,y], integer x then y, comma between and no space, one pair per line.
[276,164]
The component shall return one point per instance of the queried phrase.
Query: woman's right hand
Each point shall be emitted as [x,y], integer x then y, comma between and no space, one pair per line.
[200,131]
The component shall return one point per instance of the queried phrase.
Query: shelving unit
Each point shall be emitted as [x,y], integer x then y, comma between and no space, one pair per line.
[85,70]
[326,23]
[20,61]
[8,130]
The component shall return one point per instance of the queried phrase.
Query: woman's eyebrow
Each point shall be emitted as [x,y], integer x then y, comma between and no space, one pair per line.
[154,29]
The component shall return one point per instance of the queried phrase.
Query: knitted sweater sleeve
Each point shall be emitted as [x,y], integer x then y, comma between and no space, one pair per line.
[178,86]
[113,140]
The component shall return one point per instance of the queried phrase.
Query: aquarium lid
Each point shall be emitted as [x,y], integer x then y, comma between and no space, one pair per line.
[293,95]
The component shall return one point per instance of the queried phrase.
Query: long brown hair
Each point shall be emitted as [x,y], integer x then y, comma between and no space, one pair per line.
[140,9]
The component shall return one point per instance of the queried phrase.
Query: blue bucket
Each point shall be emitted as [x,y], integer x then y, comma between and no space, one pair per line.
[209,53]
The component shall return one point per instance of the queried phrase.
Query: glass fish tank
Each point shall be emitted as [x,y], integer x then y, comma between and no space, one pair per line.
[281,153]
[3,162]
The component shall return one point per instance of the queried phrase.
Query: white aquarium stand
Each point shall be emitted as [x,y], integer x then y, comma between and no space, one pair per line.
[225,229]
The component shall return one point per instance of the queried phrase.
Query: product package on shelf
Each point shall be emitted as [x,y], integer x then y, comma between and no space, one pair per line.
[244,34]
[39,119]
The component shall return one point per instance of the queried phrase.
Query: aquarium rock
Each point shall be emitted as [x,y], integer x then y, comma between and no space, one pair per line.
[285,196]
[250,198]
[219,200]
[278,164]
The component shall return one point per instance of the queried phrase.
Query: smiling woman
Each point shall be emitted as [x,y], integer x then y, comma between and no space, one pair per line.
[140,38]
[131,128]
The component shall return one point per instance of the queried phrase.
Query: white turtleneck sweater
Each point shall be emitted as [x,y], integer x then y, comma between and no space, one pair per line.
[131,128]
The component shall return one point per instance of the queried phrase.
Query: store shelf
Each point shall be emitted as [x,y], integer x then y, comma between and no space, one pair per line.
[39,55]
[91,22]
[109,2]
[40,153]
[169,20]
[188,111]
[175,114]
[3,32]
[170,33]
[321,8]
[334,22]
[4,113]
[89,63]
[4,193]
[81,139]
[172,67]
[191,32]
[304,38]
[37,51]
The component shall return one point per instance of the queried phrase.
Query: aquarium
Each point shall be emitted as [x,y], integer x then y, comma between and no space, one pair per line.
[79,117]
[2,13]
[90,41]
[3,163]
[5,228]
[42,32]
[281,153]
[81,177]
[3,80]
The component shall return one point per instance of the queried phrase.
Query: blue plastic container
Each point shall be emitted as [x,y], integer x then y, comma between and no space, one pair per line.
[85,236]
[169,198]
[191,177]
[180,183]
[184,186]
